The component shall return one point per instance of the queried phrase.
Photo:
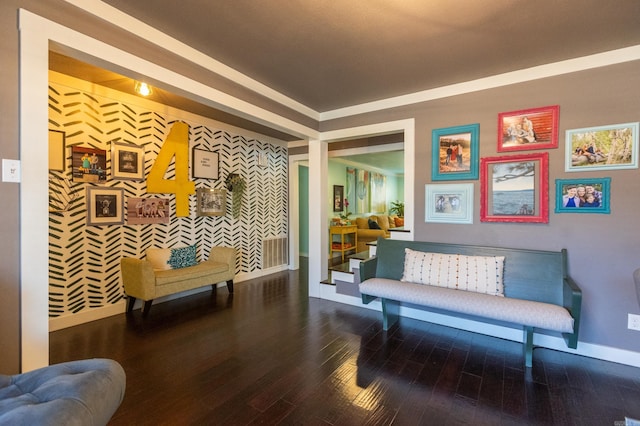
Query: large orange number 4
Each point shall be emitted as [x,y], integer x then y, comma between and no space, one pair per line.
[177,143]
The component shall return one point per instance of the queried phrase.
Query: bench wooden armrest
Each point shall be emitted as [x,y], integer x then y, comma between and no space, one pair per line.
[572,300]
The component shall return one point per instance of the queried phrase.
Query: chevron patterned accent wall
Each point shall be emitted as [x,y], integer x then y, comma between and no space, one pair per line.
[84,261]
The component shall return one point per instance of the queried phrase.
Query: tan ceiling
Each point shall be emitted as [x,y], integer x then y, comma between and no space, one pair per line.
[328,54]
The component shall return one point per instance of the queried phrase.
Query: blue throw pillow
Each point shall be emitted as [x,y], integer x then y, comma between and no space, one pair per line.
[182,257]
[373,224]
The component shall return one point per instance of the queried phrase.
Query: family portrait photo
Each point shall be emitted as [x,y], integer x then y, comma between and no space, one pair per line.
[535,128]
[455,152]
[583,195]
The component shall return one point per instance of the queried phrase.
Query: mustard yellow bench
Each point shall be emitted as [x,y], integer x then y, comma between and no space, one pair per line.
[169,271]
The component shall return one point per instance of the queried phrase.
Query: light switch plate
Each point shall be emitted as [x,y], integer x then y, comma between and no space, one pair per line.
[10,170]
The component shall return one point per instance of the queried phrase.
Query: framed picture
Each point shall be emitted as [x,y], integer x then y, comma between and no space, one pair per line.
[583,195]
[89,164]
[211,202]
[127,161]
[147,210]
[449,203]
[528,129]
[338,198]
[602,148]
[455,152]
[105,206]
[515,188]
[57,150]
[205,164]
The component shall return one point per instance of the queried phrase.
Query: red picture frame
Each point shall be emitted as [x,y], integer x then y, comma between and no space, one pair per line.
[515,188]
[528,129]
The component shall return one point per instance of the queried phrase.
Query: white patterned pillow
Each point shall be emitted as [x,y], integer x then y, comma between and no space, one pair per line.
[481,274]
[172,258]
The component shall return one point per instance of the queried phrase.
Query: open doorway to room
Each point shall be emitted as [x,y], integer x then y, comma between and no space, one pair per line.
[363,184]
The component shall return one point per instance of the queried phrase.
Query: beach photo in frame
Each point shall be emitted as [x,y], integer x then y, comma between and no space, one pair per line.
[127,161]
[211,202]
[583,195]
[338,198]
[528,129]
[142,211]
[105,206]
[454,152]
[449,203]
[88,164]
[205,164]
[515,188]
[57,154]
[602,148]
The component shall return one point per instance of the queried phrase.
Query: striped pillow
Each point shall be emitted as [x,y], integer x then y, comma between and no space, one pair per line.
[480,274]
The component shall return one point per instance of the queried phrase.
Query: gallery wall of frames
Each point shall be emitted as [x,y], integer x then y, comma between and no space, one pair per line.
[514,186]
[124,178]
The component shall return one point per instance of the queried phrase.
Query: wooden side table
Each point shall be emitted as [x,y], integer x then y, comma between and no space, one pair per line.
[348,239]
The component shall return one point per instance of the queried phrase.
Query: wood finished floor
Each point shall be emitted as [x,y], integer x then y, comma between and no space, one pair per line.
[269,355]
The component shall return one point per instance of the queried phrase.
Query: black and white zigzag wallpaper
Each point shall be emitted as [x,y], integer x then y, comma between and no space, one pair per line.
[84,261]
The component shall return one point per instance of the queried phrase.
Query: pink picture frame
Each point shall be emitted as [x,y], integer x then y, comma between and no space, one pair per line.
[528,129]
[515,188]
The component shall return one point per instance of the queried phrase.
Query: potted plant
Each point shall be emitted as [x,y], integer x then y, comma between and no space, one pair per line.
[397,208]
[235,184]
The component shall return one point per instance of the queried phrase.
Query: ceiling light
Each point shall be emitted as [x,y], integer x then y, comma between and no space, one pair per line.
[143,88]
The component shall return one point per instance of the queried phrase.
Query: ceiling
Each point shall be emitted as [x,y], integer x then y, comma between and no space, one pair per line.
[329,54]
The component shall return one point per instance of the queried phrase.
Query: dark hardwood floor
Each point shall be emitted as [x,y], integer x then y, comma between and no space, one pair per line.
[270,355]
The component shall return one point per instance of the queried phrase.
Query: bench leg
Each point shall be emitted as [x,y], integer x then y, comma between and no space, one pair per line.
[528,346]
[390,313]
[147,307]
[230,286]
[130,302]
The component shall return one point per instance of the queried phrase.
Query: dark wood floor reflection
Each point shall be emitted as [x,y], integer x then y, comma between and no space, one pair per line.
[270,355]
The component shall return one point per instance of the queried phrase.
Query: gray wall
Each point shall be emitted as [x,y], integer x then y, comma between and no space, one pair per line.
[604,249]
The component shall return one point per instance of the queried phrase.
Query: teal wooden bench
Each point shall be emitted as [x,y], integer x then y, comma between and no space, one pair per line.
[538,293]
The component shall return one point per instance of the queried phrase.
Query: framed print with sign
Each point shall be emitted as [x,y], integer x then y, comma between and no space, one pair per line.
[127,161]
[454,152]
[204,164]
[528,129]
[105,206]
[602,148]
[515,188]
[449,203]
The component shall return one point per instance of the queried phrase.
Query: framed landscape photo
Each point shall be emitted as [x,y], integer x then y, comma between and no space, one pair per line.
[57,155]
[515,188]
[127,161]
[449,203]
[602,148]
[211,202]
[105,206]
[205,164]
[583,195]
[455,152]
[528,129]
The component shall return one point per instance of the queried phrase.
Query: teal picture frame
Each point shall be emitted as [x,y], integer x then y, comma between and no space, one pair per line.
[601,188]
[462,163]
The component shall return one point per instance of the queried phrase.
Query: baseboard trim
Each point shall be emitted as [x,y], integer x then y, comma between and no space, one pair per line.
[591,350]
[58,323]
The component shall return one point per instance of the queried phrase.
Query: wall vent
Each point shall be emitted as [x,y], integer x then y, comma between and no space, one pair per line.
[274,252]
